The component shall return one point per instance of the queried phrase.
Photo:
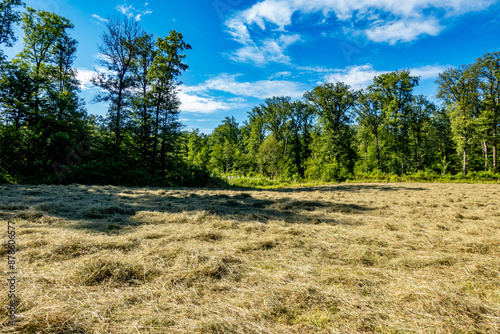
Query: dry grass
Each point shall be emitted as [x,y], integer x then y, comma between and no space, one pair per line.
[351,258]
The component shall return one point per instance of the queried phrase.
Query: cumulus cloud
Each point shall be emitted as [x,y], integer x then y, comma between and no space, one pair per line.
[403,30]
[361,76]
[131,12]
[260,89]
[84,76]
[355,76]
[201,105]
[269,50]
[381,21]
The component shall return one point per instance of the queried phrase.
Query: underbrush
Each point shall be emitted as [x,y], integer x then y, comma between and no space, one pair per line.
[377,176]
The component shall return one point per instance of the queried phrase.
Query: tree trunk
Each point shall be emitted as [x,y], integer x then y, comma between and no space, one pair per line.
[485,150]
[155,140]
[464,163]
[417,150]
[464,167]
[163,156]
[118,115]
[377,150]
[495,116]
[286,142]
[144,125]
[494,157]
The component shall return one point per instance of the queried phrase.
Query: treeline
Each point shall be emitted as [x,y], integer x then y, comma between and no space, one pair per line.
[46,134]
[335,132]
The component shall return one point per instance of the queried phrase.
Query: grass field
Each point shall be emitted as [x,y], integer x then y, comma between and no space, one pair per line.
[347,258]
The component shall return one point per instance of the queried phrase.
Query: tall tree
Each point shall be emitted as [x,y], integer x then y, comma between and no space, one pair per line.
[458,87]
[44,32]
[257,130]
[276,113]
[418,117]
[334,107]
[300,127]
[142,100]
[371,117]
[9,15]
[224,141]
[64,76]
[488,69]
[16,91]
[395,92]
[118,51]
[168,64]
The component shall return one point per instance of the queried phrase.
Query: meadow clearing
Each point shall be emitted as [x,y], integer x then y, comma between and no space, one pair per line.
[346,258]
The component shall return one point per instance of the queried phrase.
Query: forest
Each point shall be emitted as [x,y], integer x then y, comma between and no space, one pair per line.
[333,133]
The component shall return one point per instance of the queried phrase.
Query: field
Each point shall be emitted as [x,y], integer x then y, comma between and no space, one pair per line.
[347,258]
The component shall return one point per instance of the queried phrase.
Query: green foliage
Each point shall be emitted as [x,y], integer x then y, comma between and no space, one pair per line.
[334,133]
[8,17]
[270,157]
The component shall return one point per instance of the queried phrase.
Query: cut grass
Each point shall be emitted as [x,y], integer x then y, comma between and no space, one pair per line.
[347,258]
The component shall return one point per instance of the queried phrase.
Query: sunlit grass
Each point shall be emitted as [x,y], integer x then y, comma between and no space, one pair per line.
[346,258]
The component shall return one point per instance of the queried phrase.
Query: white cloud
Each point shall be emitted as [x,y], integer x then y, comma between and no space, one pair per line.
[198,99]
[316,69]
[382,21]
[359,77]
[403,30]
[84,76]
[270,51]
[99,19]
[428,72]
[260,89]
[283,74]
[131,12]
[198,104]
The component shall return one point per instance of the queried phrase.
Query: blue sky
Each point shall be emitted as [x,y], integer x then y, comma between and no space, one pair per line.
[245,51]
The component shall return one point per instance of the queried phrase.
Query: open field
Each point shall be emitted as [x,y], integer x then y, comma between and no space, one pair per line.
[348,258]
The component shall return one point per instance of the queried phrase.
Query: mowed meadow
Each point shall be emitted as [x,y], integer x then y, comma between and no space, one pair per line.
[346,258]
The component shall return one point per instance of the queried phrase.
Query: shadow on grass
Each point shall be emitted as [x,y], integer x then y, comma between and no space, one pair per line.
[110,209]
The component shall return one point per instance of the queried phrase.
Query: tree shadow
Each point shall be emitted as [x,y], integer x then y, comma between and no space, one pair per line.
[109,209]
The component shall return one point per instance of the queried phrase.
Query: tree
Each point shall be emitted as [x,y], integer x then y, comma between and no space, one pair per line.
[270,156]
[45,36]
[255,136]
[334,106]
[276,113]
[300,127]
[395,93]
[371,117]
[442,135]
[64,92]
[198,152]
[458,87]
[225,140]
[143,99]
[418,117]
[118,51]
[488,70]
[16,91]
[168,64]
[8,17]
